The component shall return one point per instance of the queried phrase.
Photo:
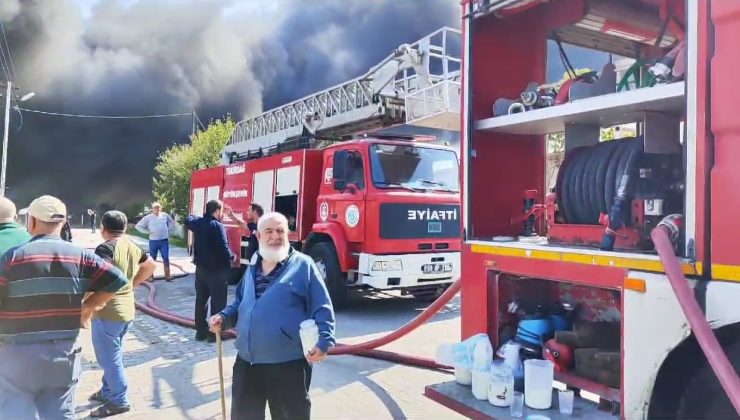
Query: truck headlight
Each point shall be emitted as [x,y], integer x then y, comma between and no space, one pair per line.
[393,265]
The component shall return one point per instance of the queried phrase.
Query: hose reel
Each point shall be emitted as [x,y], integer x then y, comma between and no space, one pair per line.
[616,184]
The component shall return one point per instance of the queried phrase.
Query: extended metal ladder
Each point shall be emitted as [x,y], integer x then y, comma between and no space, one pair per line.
[373,100]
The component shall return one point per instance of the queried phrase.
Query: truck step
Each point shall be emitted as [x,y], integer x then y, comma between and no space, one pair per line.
[460,399]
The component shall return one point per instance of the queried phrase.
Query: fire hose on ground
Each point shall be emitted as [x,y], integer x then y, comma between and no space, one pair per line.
[366,349]
[662,238]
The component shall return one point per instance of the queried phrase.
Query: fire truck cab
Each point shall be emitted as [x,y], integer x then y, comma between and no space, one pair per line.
[380,212]
[373,213]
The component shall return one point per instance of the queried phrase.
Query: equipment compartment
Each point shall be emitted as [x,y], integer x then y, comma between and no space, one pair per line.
[609,196]
[577,327]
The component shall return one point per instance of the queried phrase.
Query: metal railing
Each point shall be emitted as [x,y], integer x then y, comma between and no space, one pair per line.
[354,102]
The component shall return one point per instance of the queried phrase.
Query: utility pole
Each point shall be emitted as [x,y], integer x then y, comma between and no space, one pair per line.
[3,169]
[193,112]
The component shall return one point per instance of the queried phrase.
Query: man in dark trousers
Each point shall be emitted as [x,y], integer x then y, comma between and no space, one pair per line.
[93,219]
[49,288]
[255,212]
[280,291]
[212,265]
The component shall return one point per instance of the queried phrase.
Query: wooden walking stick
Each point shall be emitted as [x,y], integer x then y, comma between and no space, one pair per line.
[221,375]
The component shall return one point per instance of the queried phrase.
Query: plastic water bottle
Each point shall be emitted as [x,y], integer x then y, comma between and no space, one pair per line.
[309,333]
[482,356]
[480,377]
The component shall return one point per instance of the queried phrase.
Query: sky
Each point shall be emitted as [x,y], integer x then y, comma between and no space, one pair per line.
[141,57]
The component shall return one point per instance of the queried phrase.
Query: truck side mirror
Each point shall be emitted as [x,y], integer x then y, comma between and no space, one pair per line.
[339,169]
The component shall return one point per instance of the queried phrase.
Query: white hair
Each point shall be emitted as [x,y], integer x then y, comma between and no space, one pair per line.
[279,217]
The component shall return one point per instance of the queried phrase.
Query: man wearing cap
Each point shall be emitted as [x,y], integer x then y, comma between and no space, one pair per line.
[159,226]
[110,324]
[49,289]
[11,233]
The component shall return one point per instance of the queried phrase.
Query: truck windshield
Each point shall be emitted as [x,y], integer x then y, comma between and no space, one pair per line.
[415,168]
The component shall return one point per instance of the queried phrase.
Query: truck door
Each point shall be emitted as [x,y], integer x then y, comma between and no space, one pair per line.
[347,204]
[287,186]
[263,187]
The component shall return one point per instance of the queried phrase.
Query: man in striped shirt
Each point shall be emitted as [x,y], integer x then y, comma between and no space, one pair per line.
[49,288]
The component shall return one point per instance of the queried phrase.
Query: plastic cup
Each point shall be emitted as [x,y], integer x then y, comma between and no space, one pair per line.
[309,333]
[565,402]
[516,409]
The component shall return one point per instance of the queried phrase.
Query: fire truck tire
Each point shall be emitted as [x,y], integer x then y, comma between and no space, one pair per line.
[324,255]
[703,397]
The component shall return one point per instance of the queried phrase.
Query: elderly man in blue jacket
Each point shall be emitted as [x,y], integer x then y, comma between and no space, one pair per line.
[275,295]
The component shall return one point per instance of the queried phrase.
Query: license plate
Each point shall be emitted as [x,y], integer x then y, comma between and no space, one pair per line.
[434,227]
[436,268]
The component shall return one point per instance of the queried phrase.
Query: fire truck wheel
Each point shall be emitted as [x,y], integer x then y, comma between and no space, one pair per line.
[704,397]
[324,255]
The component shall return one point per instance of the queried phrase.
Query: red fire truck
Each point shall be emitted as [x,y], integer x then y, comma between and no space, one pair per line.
[375,212]
[576,265]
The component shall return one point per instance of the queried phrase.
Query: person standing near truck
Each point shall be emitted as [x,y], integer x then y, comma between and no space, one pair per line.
[93,219]
[11,233]
[212,265]
[279,292]
[110,324]
[159,226]
[254,214]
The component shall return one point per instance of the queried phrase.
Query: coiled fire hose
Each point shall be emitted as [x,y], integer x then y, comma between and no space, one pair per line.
[599,180]
[366,349]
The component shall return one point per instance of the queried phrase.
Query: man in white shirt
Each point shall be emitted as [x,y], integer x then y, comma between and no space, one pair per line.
[159,226]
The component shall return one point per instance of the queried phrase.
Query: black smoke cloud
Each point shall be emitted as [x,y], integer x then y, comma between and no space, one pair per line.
[123,57]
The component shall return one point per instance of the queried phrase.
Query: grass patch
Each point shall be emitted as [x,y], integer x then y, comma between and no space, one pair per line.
[174,241]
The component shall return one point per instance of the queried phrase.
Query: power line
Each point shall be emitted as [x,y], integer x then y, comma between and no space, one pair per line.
[10,57]
[108,117]
[200,123]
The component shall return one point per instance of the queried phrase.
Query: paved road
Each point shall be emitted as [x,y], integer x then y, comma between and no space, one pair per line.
[173,377]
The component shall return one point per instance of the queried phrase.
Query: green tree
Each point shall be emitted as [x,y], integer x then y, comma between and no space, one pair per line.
[175,165]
